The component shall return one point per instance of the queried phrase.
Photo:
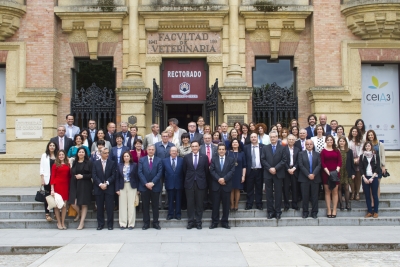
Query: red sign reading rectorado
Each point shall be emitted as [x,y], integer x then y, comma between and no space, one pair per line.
[184,80]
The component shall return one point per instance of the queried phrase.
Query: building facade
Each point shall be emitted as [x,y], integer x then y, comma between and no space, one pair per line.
[145,61]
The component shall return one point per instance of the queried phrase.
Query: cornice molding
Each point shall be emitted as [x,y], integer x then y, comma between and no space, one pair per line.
[10,15]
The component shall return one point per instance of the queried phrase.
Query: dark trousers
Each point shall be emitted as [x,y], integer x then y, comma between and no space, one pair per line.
[148,196]
[207,201]
[367,188]
[290,184]
[306,189]
[254,181]
[217,197]
[108,201]
[195,198]
[47,189]
[276,183]
[174,202]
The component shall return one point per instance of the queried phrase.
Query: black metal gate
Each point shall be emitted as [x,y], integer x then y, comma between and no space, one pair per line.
[272,104]
[212,106]
[158,106]
[94,103]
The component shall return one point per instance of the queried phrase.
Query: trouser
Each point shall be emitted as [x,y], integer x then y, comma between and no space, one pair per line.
[307,189]
[174,200]
[254,181]
[162,204]
[355,187]
[290,184]
[47,189]
[195,198]
[148,196]
[217,197]
[108,201]
[127,209]
[274,203]
[207,201]
[374,189]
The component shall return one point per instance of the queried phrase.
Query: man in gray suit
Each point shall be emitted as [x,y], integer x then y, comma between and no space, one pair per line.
[193,135]
[224,133]
[71,129]
[177,131]
[210,151]
[152,137]
[309,177]
[273,159]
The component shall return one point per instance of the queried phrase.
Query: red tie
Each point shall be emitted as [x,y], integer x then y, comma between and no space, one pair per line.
[151,163]
[208,154]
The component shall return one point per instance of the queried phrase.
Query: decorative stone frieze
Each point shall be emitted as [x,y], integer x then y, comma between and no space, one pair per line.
[10,14]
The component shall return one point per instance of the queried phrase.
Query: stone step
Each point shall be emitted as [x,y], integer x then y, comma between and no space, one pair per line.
[234,222]
[355,212]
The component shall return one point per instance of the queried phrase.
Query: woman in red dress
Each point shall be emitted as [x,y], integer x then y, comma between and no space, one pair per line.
[331,160]
[60,178]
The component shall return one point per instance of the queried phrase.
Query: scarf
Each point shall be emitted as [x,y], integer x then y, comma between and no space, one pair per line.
[368,154]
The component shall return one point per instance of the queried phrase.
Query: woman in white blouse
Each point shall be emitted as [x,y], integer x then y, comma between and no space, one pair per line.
[263,137]
[171,137]
[356,143]
[319,138]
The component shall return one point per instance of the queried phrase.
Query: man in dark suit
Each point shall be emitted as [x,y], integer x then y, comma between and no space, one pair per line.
[110,135]
[224,132]
[103,175]
[273,160]
[222,169]
[193,135]
[62,141]
[301,143]
[125,133]
[173,173]
[327,128]
[312,121]
[309,178]
[92,137]
[210,151]
[119,149]
[150,172]
[290,180]
[195,171]
[254,173]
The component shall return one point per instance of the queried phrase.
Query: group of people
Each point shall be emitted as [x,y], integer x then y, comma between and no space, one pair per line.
[198,169]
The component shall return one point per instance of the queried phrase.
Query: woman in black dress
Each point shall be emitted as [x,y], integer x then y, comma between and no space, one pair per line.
[240,172]
[81,186]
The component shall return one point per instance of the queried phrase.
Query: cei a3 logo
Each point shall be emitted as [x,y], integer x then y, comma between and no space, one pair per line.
[184,88]
[376,84]
[378,97]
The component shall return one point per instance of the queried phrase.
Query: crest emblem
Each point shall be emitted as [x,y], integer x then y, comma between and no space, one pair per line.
[184,88]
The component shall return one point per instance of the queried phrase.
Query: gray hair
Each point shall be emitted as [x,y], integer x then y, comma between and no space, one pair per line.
[303,129]
[273,132]
[123,122]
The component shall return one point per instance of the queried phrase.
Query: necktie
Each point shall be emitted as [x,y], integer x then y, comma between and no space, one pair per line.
[61,143]
[312,131]
[195,161]
[208,154]
[302,145]
[151,164]
[103,162]
[92,134]
[173,164]
[225,137]
[253,157]
[222,163]
[273,149]
[310,160]
[111,137]
[191,137]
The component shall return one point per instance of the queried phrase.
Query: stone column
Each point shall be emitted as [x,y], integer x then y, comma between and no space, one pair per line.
[133,73]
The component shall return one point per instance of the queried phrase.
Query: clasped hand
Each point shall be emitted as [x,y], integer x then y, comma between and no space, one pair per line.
[221,181]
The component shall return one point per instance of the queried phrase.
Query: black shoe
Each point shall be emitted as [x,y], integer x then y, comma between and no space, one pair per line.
[295,208]
[169,217]
[156,226]
[110,228]
[286,209]
[178,218]
[305,215]
[100,227]
[190,226]
[314,216]
[226,226]
[278,216]
[341,206]
[130,228]
[213,225]
[260,207]
[122,228]
[198,226]
[183,208]
[270,215]
[248,208]
[145,227]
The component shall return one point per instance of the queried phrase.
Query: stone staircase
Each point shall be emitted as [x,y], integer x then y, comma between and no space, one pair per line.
[18,210]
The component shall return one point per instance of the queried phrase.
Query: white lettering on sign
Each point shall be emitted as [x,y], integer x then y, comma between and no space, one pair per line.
[184,74]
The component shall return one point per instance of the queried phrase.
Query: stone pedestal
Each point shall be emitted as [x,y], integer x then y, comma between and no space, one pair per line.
[235,103]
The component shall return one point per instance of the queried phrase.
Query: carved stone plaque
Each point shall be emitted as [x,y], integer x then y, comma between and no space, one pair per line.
[28,128]
[235,118]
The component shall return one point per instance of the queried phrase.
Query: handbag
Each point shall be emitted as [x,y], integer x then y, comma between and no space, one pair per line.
[137,200]
[40,195]
[72,212]
[386,174]
[51,202]
[334,176]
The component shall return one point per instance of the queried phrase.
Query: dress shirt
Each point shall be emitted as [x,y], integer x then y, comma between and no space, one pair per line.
[104,164]
[257,151]
[303,144]
[61,140]
[126,171]
[225,136]
[176,161]
[201,130]
[124,135]
[93,134]
[152,159]
[291,155]
[165,145]
[155,138]
[69,131]
[119,149]
[196,157]
[209,147]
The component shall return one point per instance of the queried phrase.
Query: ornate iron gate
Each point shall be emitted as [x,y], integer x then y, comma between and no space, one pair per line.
[212,106]
[158,105]
[94,103]
[272,104]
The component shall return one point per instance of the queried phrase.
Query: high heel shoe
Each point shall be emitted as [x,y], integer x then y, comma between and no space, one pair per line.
[80,227]
[333,215]
[77,218]
[59,227]
[328,215]
[341,206]
[348,207]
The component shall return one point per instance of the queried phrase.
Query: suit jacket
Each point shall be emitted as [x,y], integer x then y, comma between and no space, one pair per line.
[197,137]
[124,141]
[108,138]
[309,132]
[114,153]
[146,175]
[295,155]
[246,140]
[328,130]
[277,161]
[99,177]
[247,153]
[68,143]
[135,157]
[133,176]
[180,132]
[90,136]
[131,144]
[173,179]
[298,144]
[214,150]
[304,165]
[75,130]
[224,139]
[227,173]
[200,173]
[148,140]
[161,151]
